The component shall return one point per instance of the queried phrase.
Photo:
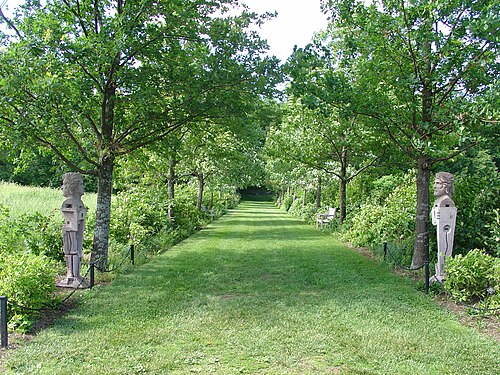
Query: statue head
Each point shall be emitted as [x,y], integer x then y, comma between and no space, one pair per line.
[72,185]
[444,184]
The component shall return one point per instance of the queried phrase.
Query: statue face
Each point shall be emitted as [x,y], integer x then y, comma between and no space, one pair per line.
[66,190]
[440,188]
[72,188]
[79,189]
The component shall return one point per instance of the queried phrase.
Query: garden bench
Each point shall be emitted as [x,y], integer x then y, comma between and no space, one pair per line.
[326,217]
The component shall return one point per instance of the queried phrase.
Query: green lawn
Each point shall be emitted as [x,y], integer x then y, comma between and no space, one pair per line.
[258,292]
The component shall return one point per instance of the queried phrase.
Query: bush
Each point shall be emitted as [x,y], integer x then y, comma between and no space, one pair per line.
[364,228]
[42,235]
[10,241]
[138,213]
[392,220]
[477,197]
[306,212]
[287,202]
[34,233]
[473,277]
[29,280]
[139,216]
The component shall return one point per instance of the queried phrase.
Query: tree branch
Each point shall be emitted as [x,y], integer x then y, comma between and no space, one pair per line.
[458,152]
[77,14]
[10,24]
[451,85]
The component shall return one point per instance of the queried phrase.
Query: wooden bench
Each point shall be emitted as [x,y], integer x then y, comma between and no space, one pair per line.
[323,218]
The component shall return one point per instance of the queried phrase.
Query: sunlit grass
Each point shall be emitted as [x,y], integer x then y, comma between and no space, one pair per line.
[28,199]
[257,292]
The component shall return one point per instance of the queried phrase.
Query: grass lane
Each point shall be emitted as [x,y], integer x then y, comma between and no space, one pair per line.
[258,292]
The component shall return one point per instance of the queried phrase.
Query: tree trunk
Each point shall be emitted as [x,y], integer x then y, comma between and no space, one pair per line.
[281,197]
[201,187]
[343,186]
[304,198]
[171,189]
[421,247]
[318,194]
[103,213]
[99,254]
[211,199]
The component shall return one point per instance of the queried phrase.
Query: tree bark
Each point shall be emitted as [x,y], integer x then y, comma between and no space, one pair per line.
[99,254]
[103,213]
[171,190]
[201,187]
[318,194]
[421,247]
[343,186]
[211,199]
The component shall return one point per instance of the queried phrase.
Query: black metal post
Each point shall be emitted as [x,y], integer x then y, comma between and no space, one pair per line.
[427,276]
[385,251]
[92,275]
[3,322]
[132,254]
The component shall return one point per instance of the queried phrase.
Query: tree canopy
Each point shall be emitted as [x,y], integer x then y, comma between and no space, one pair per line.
[96,80]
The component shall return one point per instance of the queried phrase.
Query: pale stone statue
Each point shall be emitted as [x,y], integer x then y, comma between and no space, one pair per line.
[74,213]
[444,215]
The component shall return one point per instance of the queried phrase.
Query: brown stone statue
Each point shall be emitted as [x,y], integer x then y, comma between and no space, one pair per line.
[444,215]
[74,213]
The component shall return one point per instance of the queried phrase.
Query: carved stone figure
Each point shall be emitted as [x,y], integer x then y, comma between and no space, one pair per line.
[74,213]
[444,215]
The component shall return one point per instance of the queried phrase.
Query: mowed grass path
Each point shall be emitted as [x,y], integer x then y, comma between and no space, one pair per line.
[258,292]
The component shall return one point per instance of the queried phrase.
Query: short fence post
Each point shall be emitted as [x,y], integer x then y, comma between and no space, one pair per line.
[92,275]
[427,276]
[132,255]
[385,251]
[3,322]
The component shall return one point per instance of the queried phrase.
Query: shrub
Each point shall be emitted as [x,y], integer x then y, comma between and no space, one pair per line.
[287,202]
[473,276]
[477,197]
[365,228]
[42,235]
[137,213]
[28,280]
[34,233]
[391,221]
[10,241]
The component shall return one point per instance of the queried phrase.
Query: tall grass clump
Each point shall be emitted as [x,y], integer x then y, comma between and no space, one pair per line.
[31,199]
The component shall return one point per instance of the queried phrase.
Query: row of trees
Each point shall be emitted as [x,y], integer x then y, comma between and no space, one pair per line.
[177,89]
[400,84]
[96,82]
